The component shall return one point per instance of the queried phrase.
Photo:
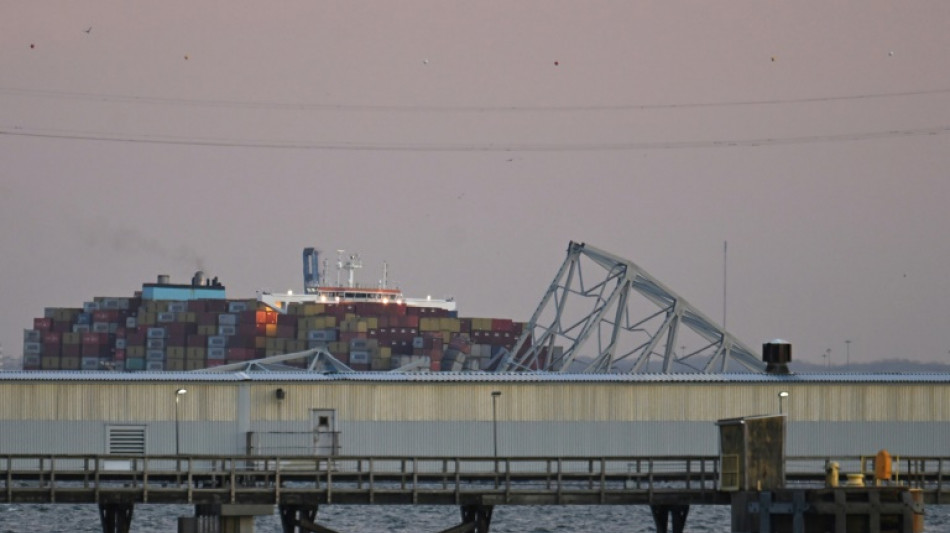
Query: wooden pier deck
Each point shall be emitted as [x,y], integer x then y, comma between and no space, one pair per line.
[118,482]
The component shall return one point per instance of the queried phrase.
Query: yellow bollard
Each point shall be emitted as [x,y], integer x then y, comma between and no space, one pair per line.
[831,473]
[882,467]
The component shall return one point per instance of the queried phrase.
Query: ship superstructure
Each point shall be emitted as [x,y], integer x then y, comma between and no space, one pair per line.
[346,290]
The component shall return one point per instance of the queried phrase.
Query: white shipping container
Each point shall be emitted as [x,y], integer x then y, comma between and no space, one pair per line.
[217,354]
[227,330]
[81,328]
[165,317]
[155,355]
[131,322]
[155,333]
[217,341]
[155,344]
[89,307]
[227,320]
[100,327]
[32,348]
[237,307]
[31,335]
[115,303]
[155,365]
[177,307]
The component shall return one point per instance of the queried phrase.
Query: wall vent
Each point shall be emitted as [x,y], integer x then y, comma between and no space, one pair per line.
[125,440]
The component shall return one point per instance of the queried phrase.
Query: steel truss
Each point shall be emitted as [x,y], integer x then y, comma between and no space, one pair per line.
[316,360]
[600,315]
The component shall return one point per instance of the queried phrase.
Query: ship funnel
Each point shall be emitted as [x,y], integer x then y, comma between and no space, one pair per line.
[311,270]
[163,279]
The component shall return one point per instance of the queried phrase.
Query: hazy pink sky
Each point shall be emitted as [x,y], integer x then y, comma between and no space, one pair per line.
[467,142]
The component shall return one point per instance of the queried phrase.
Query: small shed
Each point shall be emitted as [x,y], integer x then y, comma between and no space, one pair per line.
[752,453]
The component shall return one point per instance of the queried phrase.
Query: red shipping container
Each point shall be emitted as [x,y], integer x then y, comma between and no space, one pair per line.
[246,317]
[501,324]
[43,324]
[72,350]
[51,349]
[216,306]
[119,355]
[135,338]
[95,350]
[240,354]
[51,338]
[105,316]
[179,330]
[95,338]
[206,319]
[196,341]
[241,341]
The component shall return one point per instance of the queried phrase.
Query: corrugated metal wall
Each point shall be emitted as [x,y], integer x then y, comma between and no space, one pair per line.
[429,418]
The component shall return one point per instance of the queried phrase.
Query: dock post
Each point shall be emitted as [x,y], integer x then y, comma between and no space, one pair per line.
[479,516]
[662,514]
[297,518]
[115,517]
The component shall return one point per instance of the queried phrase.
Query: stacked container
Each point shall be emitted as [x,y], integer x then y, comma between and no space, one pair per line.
[136,334]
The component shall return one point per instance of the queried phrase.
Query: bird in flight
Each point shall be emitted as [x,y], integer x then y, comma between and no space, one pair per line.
[88,30]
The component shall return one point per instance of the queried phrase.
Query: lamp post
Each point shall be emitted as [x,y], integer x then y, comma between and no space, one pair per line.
[781,399]
[178,394]
[847,345]
[494,424]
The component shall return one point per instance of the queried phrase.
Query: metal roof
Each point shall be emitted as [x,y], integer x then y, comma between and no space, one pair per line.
[469,377]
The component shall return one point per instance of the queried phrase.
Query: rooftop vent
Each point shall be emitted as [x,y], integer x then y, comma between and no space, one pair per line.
[777,355]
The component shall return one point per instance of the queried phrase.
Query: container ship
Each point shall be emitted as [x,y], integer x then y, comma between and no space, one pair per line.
[194,326]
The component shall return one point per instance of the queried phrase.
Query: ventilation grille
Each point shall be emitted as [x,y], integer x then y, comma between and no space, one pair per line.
[126,440]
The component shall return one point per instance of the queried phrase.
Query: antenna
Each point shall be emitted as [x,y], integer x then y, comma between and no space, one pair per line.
[339,265]
[725,264]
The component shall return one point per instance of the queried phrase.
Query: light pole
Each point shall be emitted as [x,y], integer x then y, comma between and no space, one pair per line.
[781,399]
[494,424]
[178,394]
[847,345]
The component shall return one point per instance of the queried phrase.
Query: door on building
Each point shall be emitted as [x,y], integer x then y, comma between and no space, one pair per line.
[326,440]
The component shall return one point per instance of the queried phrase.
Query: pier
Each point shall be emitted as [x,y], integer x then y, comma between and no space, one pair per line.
[233,489]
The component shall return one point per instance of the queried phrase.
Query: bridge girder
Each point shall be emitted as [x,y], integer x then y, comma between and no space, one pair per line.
[593,318]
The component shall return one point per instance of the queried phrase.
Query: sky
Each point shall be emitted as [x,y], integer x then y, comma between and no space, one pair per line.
[467,143]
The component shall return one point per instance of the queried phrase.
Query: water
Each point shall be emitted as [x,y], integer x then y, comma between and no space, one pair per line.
[400,518]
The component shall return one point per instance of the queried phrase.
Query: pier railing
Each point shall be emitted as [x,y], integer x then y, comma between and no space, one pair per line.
[410,480]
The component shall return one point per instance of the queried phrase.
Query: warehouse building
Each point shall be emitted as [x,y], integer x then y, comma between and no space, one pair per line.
[461,414]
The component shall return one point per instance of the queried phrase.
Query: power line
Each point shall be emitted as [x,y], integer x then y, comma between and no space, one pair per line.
[150,100]
[474,147]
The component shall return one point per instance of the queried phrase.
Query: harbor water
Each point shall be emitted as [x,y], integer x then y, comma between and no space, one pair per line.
[400,518]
